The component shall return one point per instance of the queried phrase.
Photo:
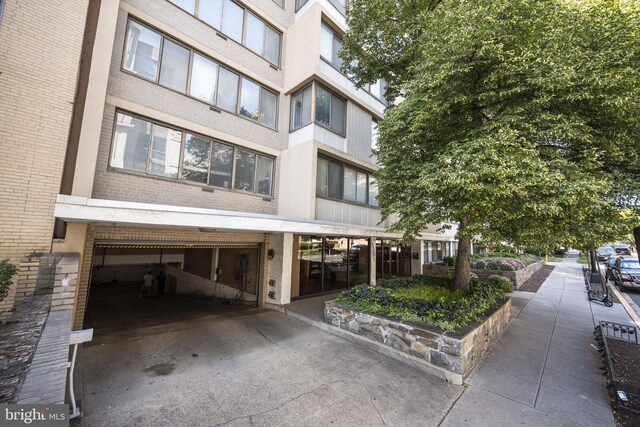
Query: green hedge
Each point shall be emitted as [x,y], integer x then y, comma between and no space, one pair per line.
[429,300]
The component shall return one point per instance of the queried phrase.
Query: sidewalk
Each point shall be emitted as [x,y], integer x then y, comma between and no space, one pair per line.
[543,370]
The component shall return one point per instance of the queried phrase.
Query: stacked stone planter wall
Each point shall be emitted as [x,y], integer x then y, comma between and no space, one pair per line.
[518,277]
[458,354]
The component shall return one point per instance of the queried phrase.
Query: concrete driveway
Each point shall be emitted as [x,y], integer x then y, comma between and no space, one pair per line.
[252,367]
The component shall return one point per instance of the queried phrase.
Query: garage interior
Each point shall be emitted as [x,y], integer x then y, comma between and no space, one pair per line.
[201,280]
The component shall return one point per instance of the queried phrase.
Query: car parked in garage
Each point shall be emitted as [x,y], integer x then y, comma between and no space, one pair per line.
[622,249]
[626,273]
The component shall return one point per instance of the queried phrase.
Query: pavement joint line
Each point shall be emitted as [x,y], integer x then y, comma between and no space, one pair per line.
[546,356]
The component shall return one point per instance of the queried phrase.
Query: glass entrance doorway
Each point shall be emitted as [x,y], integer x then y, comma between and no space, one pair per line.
[327,264]
[392,259]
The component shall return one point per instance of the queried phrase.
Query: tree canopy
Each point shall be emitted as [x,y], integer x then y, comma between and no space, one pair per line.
[518,120]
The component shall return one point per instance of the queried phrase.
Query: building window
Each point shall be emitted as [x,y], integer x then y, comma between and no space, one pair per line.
[330,45]
[335,180]
[374,134]
[152,56]
[341,5]
[142,51]
[300,3]
[330,110]
[146,147]
[229,17]
[301,108]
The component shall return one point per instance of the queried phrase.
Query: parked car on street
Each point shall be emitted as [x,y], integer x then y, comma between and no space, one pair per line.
[626,273]
[622,249]
[605,253]
[610,265]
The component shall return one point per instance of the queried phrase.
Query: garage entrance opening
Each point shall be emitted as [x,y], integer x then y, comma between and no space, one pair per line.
[189,281]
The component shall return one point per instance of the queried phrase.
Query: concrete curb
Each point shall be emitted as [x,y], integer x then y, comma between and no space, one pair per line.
[628,304]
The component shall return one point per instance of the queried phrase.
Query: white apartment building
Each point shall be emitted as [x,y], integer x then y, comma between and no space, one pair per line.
[218,141]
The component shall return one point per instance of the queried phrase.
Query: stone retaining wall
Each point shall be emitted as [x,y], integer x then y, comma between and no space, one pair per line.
[456,354]
[518,277]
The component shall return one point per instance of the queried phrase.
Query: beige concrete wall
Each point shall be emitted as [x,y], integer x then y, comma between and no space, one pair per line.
[298,181]
[40,45]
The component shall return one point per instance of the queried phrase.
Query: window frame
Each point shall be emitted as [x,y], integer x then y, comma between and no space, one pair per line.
[245,10]
[183,139]
[192,53]
[342,165]
[314,84]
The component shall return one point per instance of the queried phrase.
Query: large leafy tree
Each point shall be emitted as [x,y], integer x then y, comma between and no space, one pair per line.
[517,120]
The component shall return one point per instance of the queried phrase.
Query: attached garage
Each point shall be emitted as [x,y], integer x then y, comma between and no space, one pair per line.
[201,278]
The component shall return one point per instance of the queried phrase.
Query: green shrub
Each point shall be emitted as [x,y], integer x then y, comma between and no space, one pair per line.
[7,270]
[449,260]
[427,299]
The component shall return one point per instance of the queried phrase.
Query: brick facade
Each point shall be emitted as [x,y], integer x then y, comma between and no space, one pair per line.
[40,44]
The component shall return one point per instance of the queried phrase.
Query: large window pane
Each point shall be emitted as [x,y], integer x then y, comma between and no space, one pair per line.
[323,105]
[175,66]
[130,149]
[338,107]
[254,34]
[301,108]
[272,46]
[361,190]
[337,47]
[233,20]
[142,51]
[326,42]
[221,165]
[349,184]
[204,77]
[373,192]
[335,180]
[228,90]
[250,100]
[165,152]
[340,5]
[322,183]
[264,175]
[358,262]
[188,5]
[300,3]
[210,11]
[195,165]
[268,108]
[245,170]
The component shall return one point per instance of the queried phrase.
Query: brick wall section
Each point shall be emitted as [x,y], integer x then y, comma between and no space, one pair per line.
[40,43]
[137,234]
[120,185]
[167,13]
[143,92]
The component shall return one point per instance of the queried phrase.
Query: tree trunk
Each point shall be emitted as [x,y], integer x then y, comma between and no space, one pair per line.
[593,261]
[636,237]
[462,269]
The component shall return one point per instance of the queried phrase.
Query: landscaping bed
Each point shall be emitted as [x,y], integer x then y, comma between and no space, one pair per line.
[422,317]
[518,268]
[621,357]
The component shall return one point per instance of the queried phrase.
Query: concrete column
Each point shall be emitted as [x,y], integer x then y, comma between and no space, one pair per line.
[287,265]
[416,264]
[91,123]
[372,260]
